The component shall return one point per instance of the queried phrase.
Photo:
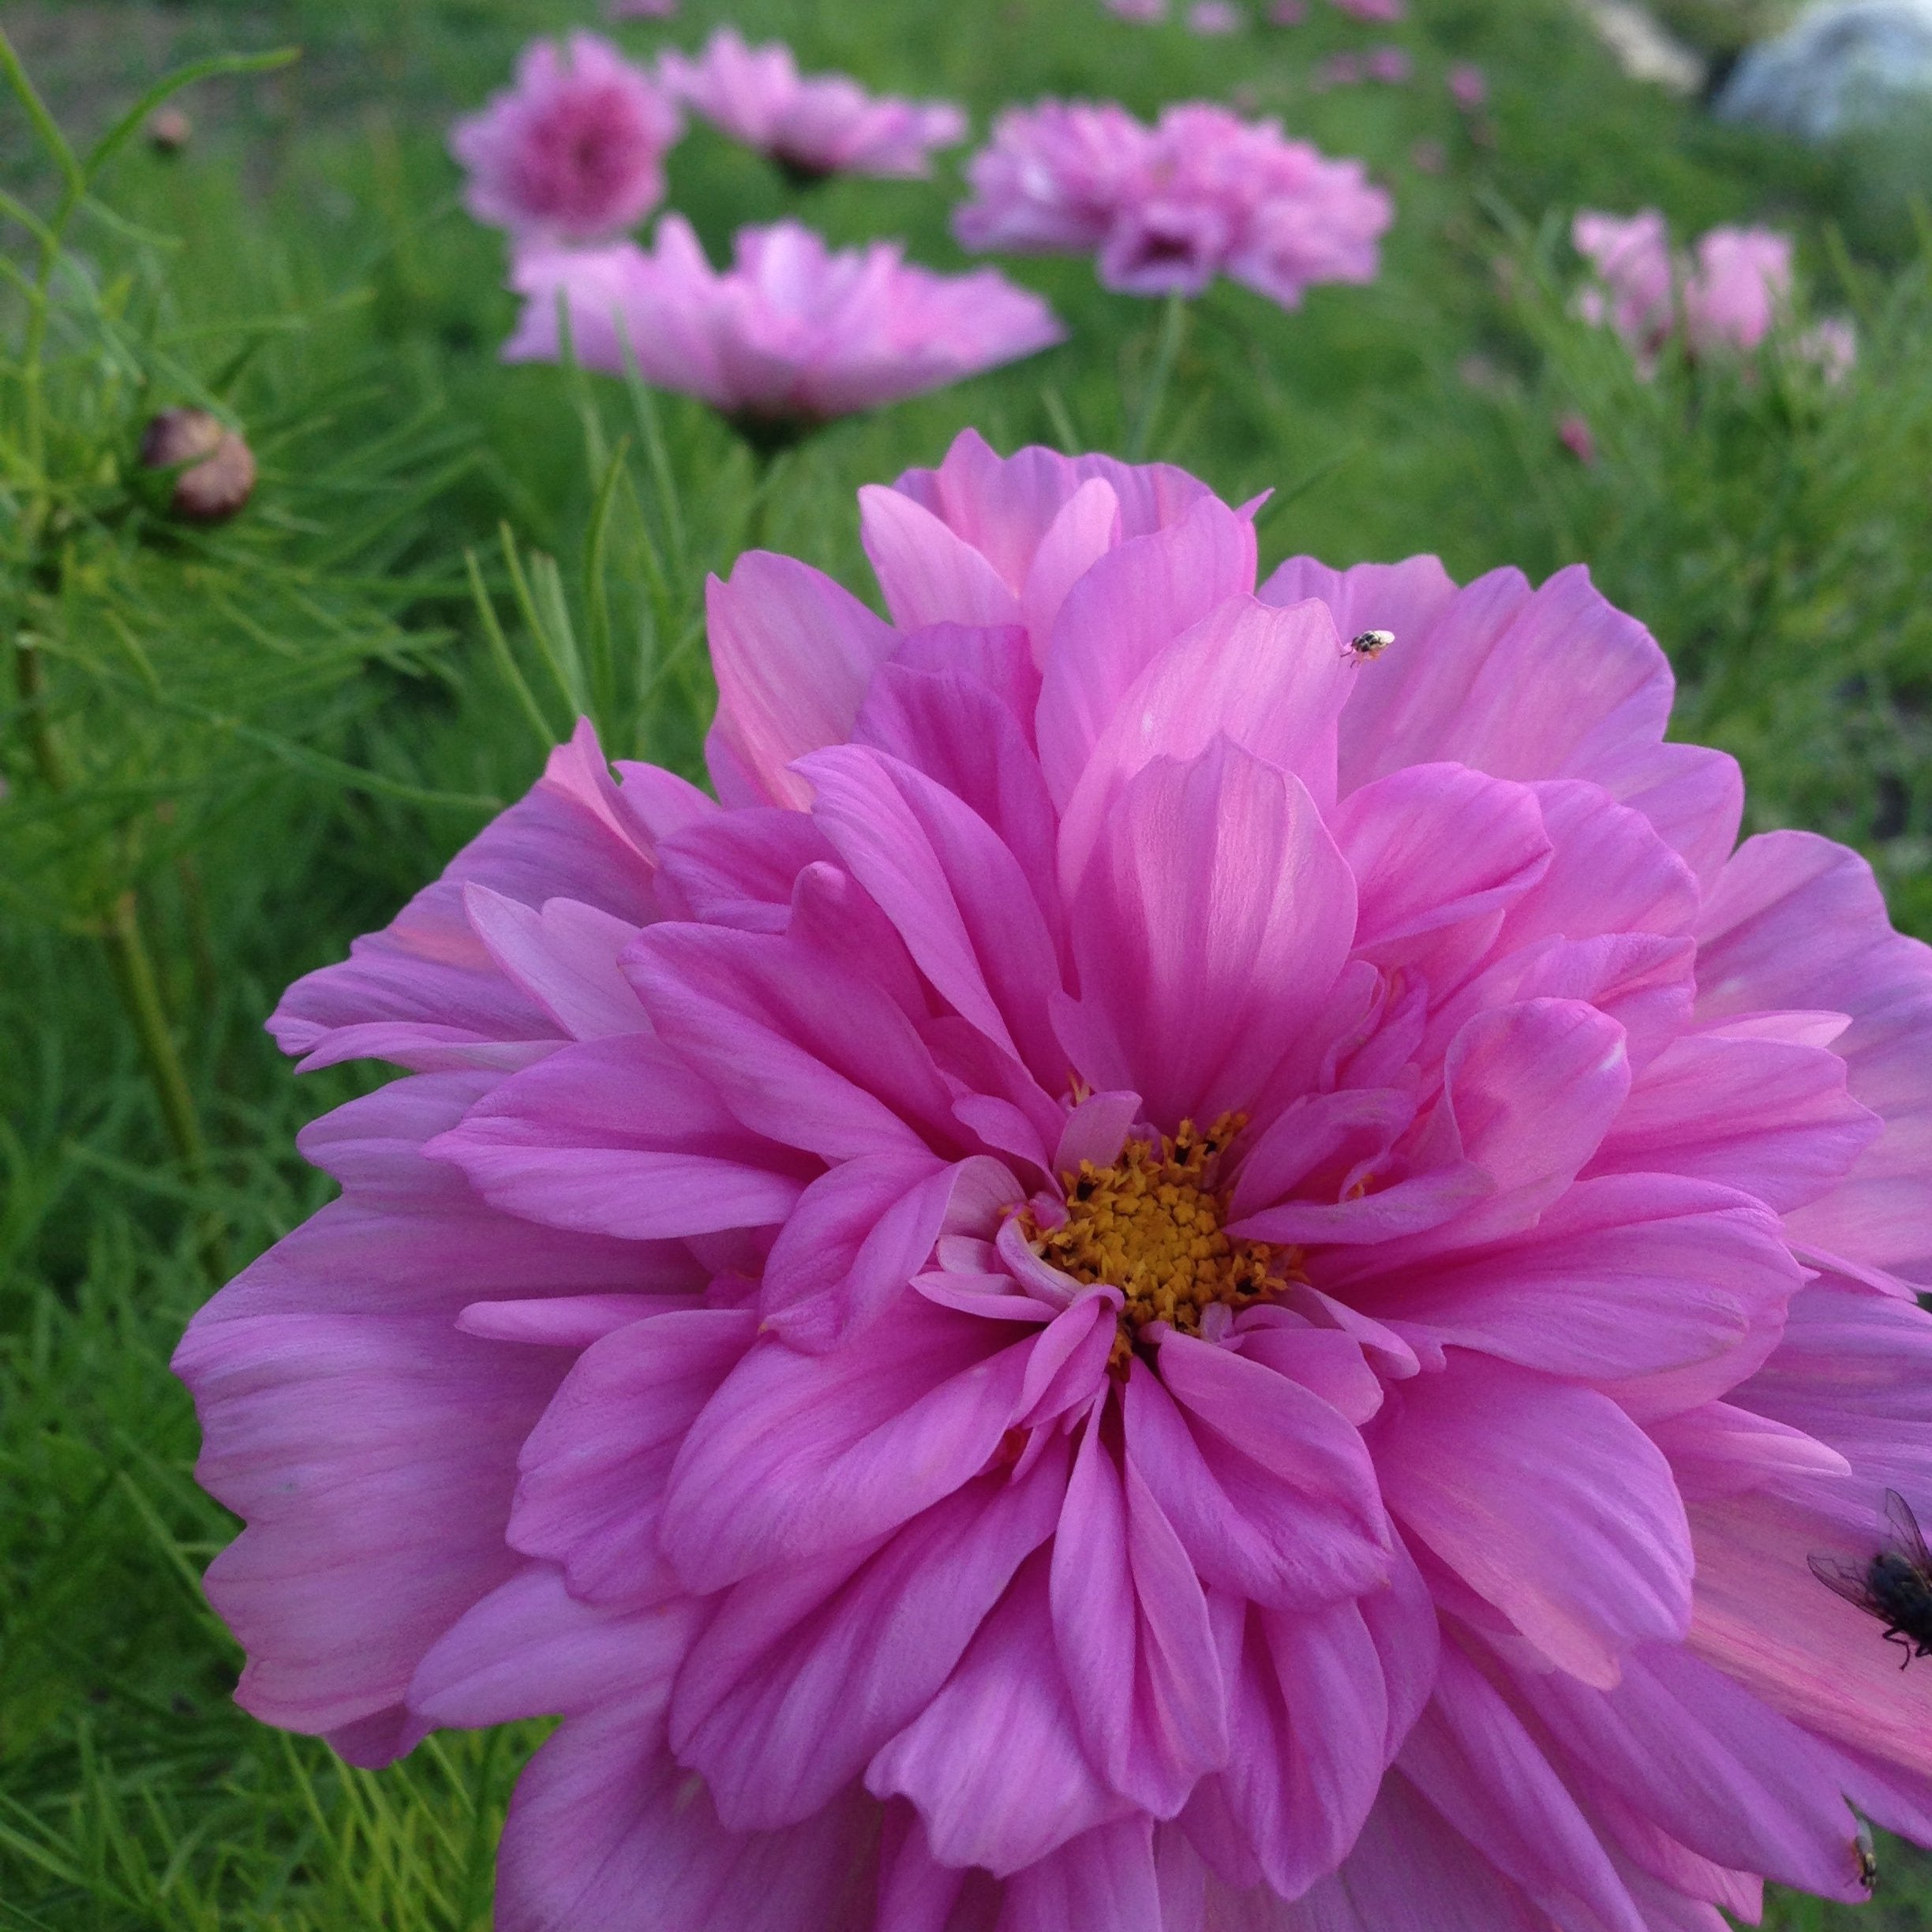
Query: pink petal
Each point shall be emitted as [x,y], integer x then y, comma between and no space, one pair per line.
[1271,1493]
[1105,1877]
[593,1472]
[994,1762]
[1208,932]
[1131,1627]
[799,1454]
[1549,1502]
[955,894]
[797,1682]
[1771,1118]
[1088,526]
[618,1136]
[928,574]
[793,654]
[1117,618]
[563,956]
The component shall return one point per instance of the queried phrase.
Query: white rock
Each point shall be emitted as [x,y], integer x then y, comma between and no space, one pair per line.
[1841,63]
[1645,48]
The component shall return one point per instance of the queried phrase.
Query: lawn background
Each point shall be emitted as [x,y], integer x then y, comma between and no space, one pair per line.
[272,734]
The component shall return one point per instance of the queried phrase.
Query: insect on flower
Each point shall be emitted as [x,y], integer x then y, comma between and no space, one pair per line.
[1367,644]
[1894,1585]
[1867,1857]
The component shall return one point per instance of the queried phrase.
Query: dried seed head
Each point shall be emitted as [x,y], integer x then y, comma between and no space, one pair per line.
[216,468]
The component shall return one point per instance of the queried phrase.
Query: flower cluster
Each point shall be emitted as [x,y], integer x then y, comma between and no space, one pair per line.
[1204,1259]
[1168,207]
[792,334]
[812,127]
[1723,299]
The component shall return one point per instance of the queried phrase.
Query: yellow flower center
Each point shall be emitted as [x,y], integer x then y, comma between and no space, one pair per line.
[1151,1225]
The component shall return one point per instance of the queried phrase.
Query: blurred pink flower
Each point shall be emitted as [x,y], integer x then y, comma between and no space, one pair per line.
[1831,346]
[1573,432]
[1469,86]
[1166,208]
[1389,64]
[1742,278]
[574,151]
[792,334]
[812,126]
[1727,295]
[1160,1269]
[1142,13]
[1287,12]
[1216,17]
[1373,9]
[640,9]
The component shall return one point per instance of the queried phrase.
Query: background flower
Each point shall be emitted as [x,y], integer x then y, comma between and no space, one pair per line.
[574,151]
[791,335]
[813,126]
[1160,1270]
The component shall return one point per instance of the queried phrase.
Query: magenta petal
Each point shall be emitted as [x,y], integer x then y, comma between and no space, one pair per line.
[797,1042]
[796,1682]
[608,1832]
[618,1136]
[799,1454]
[1471,1757]
[1798,922]
[530,1650]
[1088,526]
[563,956]
[955,894]
[1767,1116]
[1104,1877]
[1270,1491]
[593,1472]
[793,654]
[994,1763]
[1118,617]
[1271,681]
[1434,846]
[1130,1624]
[1208,931]
[1548,1501]
[1707,1761]
[928,575]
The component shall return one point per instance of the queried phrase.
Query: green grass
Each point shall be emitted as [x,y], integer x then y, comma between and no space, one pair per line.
[270,735]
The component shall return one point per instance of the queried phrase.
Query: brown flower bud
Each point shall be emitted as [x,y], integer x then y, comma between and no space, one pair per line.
[216,468]
[169,130]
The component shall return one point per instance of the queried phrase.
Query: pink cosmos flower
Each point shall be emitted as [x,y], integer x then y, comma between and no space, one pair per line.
[812,127]
[1166,208]
[1288,12]
[1141,12]
[1373,9]
[1216,17]
[1167,1274]
[574,151]
[1726,297]
[1574,433]
[1389,65]
[792,334]
[1469,86]
[1742,278]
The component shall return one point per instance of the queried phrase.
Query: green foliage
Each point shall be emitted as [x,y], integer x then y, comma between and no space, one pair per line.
[228,750]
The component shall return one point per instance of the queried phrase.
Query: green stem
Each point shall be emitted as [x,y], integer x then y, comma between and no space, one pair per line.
[1167,354]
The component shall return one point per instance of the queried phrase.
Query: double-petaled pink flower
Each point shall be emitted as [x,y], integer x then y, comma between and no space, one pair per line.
[812,125]
[1165,209]
[1204,1260]
[574,151]
[792,334]
[1725,297]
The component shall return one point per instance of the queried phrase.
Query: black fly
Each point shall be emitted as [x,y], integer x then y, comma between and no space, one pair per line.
[1894,1585]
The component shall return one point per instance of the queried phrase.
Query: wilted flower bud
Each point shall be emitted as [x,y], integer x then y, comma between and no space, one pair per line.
[169,130]
[216,468]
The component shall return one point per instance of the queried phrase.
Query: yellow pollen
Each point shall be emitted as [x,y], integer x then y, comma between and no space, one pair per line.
[1151,1225]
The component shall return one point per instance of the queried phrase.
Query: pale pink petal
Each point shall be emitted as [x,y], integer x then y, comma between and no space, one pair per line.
[929,575]
[1549,1502]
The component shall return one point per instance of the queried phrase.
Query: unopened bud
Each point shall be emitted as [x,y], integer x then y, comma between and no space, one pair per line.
[169,130]
[216,469]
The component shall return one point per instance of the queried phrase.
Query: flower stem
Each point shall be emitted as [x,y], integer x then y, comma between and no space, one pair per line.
[1167,354]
